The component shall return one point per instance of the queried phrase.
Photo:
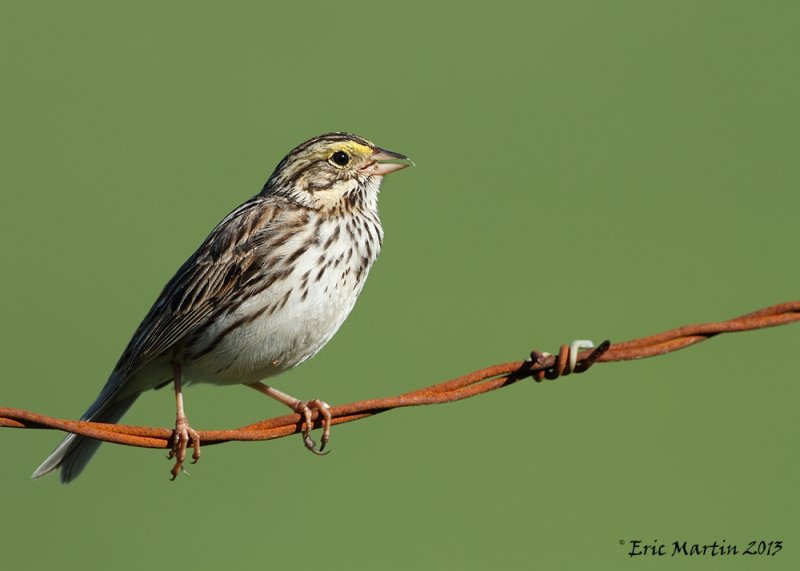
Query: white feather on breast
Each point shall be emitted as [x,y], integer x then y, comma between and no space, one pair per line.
[310,305]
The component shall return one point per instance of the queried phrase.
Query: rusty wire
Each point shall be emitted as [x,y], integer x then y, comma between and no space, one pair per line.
[540,366]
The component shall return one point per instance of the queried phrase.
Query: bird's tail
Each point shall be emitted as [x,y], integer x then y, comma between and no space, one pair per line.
[75,451]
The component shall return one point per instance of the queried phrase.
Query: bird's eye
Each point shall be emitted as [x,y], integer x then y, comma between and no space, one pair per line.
[340,158]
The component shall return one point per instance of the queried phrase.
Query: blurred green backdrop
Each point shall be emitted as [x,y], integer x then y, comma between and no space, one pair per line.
[584,170]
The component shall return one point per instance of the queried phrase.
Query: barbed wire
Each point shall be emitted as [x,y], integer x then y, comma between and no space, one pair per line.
[539,366]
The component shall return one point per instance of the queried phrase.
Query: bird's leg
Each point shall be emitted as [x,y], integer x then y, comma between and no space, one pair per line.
[305,409]
[183,432]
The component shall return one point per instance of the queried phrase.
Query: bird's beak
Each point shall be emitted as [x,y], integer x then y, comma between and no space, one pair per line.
[385,162]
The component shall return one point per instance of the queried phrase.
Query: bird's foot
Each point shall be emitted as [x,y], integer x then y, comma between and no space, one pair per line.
[307,408]
[306,411]
[180,438]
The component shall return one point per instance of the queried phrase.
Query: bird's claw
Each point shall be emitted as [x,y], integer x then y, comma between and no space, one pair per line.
[306,410]
[180,439]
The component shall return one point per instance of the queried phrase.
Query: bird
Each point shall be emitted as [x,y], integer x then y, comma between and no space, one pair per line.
[265,291]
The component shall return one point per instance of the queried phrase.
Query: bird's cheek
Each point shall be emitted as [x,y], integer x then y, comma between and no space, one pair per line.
[329,197]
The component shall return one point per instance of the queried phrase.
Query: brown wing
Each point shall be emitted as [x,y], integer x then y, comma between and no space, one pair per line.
[224,262]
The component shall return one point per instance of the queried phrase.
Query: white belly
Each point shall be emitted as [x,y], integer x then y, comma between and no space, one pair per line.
[287,323]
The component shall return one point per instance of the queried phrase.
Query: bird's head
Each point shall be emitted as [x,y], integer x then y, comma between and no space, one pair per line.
[333,172]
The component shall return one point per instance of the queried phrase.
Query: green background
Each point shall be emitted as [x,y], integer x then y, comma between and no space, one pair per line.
[584,170]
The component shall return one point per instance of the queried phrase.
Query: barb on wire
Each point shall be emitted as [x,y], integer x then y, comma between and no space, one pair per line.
[540,366]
